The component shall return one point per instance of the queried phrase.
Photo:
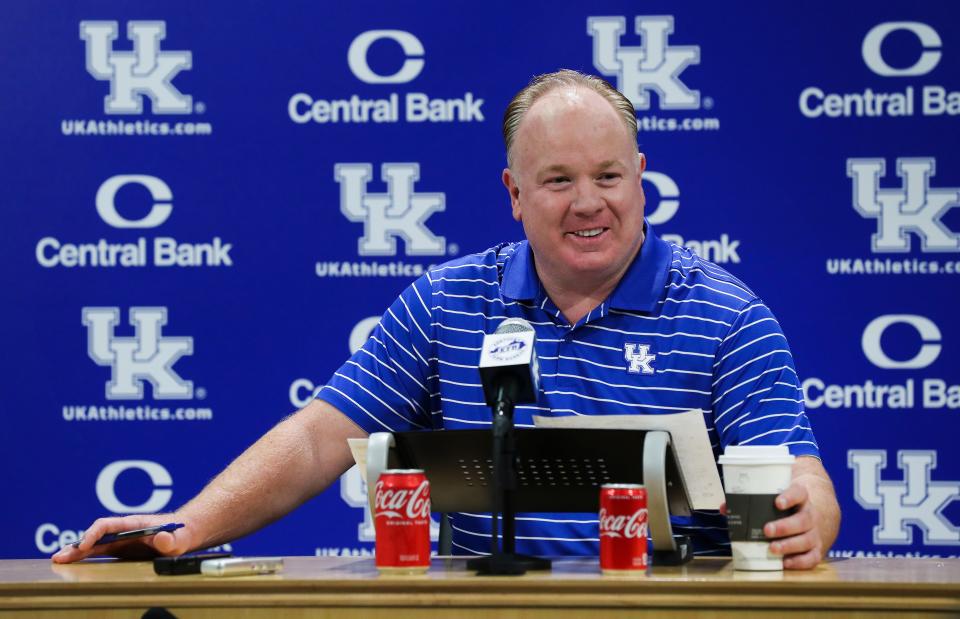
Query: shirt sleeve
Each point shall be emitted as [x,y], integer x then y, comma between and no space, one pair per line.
[757,398]
[387,385]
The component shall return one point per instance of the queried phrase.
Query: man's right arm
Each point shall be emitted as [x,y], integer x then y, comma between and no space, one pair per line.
[291,463]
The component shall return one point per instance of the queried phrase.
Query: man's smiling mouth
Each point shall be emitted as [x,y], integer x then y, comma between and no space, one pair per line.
[588,233]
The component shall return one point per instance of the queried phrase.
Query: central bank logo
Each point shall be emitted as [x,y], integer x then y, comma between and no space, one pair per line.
[895,391]
[144,72]
[387,107]
[163,251]
[159,212]
[721,251]
[148,356]
[913,501]
[929,334]
[914,209]
[400,212]
[653,66]
[926,62]
[412,49]
[160,494]
[669,193]
[910,100]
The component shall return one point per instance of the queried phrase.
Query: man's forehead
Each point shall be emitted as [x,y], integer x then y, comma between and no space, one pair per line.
[560,103]
[570,109]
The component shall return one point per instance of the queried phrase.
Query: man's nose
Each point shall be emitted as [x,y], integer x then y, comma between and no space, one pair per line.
[587,200]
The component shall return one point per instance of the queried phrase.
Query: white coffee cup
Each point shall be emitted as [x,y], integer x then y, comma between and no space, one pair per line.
[752,477]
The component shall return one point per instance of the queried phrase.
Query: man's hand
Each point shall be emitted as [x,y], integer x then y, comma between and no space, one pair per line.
[294,461]
[804,537]
[175,543]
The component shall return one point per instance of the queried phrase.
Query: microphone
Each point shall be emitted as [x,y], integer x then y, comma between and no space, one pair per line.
[509,369]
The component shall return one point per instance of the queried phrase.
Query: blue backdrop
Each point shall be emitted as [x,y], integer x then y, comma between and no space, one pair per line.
[184,262]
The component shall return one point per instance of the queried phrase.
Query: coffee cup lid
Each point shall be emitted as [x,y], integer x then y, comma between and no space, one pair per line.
[745,455]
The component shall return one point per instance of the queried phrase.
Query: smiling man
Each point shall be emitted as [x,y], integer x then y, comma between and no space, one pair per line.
[626,324]
[574,184]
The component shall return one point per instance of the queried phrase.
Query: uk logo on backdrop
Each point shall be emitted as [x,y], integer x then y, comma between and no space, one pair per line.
[395,106]
[145,72]
[652,71]
[901,92]
[913,503]
[390,220]
[907,218]
[401,212]
[158,251]
[661,211]
[913,210]
[148,71]
[147,357]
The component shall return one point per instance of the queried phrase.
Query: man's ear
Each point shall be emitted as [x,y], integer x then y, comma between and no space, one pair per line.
[513,188]
[642,162]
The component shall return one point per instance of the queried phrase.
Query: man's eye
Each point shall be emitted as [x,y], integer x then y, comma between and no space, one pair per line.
[556,180]
[609,176]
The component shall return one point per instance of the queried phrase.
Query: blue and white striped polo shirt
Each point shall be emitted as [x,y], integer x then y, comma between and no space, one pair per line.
[677,333]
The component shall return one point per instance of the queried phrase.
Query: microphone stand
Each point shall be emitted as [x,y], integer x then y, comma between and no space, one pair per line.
[503,559]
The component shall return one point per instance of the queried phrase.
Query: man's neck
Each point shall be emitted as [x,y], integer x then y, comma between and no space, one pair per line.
[576,298]
[575,304]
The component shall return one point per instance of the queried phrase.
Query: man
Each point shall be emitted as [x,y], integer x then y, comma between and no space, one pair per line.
[626,323]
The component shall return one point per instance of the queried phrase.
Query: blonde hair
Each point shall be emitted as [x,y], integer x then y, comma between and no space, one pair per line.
[564,78]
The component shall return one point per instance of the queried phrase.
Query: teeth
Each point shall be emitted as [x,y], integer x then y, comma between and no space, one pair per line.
[589,233]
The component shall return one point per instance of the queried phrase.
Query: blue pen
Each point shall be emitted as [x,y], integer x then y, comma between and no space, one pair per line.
[116,537]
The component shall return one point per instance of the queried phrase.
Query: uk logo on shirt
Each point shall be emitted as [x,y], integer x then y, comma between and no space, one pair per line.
[638,358]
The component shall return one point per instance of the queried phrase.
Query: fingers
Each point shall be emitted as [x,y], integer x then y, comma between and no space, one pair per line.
[172,544]
[723,508]
[797,539]
[796,545]
[137,547]
[99,528]
[805,561]
[795,524]
[795,494]
[800,552]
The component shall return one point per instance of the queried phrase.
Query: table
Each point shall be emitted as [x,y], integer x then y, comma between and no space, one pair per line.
[350,587]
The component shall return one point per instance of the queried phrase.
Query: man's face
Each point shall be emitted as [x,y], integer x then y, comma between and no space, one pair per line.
[575,186]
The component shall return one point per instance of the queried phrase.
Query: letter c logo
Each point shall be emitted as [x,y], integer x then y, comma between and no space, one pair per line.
[361,333]
[927,36]
[927,354]
[158,189]
[107,479]
[668,191]
[357,56]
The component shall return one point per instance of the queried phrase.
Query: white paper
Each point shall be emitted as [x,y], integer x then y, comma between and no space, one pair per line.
[688,436]
[358,447]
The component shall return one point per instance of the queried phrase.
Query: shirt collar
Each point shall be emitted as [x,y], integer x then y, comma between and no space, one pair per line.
[638,290]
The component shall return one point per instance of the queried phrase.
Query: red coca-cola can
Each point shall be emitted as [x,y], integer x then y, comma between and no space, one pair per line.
[623,528]
[401,520]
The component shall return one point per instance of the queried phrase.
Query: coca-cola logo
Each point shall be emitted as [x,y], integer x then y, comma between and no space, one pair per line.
[402,502]
[622,525]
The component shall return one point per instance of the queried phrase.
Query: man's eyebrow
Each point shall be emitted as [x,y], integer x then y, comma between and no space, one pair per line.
[552,169]
[609,163]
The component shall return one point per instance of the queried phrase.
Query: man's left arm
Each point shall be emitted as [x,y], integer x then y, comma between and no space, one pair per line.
[805,537]
[758,401]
